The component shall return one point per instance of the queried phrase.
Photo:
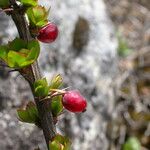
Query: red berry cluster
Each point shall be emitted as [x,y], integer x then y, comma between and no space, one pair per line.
[48,33]
[74,101]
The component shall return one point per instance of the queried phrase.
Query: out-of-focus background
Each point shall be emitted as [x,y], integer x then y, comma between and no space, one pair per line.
[103,49]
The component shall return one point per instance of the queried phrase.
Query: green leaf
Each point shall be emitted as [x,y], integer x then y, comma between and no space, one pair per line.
[41,23]
[29,2]
[25,63]
[37,16]
[33,44]
[24,116]
[35,50]
[33,54]
[40,82]
[15,59]
[132,144]
[67,146]
[4,3]
[41,91]
[41,87]
[56,105]
[19,54]
[55,145]
[60,142]
[3,52]
[18,60]
[17,44]
[62,139]
[56,82]
[40,12]
[24,52]
[32,111]
[29,114]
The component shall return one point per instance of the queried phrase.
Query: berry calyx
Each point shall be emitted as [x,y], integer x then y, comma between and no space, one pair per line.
[74,101]
[48,33]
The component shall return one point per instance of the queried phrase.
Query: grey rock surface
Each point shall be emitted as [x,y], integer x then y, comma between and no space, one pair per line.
[15,135]
[85,55]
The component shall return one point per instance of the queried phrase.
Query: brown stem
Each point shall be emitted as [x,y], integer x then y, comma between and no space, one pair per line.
[32,73]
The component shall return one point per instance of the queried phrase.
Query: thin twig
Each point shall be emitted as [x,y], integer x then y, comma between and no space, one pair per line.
[31,74]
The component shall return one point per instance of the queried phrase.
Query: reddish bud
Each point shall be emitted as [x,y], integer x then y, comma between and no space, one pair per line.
[74,101]
[48,33]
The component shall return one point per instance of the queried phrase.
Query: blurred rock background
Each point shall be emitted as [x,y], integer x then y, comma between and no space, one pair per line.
[108,64]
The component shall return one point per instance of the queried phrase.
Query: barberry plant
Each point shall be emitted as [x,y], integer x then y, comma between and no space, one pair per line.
[21,54]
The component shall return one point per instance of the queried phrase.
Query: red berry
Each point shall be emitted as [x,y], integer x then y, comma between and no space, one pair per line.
[74,101]
[48,33]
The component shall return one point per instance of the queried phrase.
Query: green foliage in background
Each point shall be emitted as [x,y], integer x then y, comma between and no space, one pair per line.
[132,144]
[123,49]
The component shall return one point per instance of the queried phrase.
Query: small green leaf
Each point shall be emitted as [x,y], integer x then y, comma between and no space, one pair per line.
[18,60]
[42,82]
[15,59]
[41,91]
[56,105]
[33,44]
[17,44]
[41,87]
[55,145]
[37,16]
[25,63]
[35,50]
[33,54]
[29,2]
[132,144]
[3,52]
[60,142]
[24,52]
[29,114]
[56,82]
[32,111]
[24,116]
[67,146]
[62,139]
[4,3]
[40,12]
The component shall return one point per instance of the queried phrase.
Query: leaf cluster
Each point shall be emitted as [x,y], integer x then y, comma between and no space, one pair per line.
[19,53]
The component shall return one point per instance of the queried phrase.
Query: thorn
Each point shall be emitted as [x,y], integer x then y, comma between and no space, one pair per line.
[62,91]
[6,10]
[13,70]
[46,98]
[58,91]
[67,88]
[56,94]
